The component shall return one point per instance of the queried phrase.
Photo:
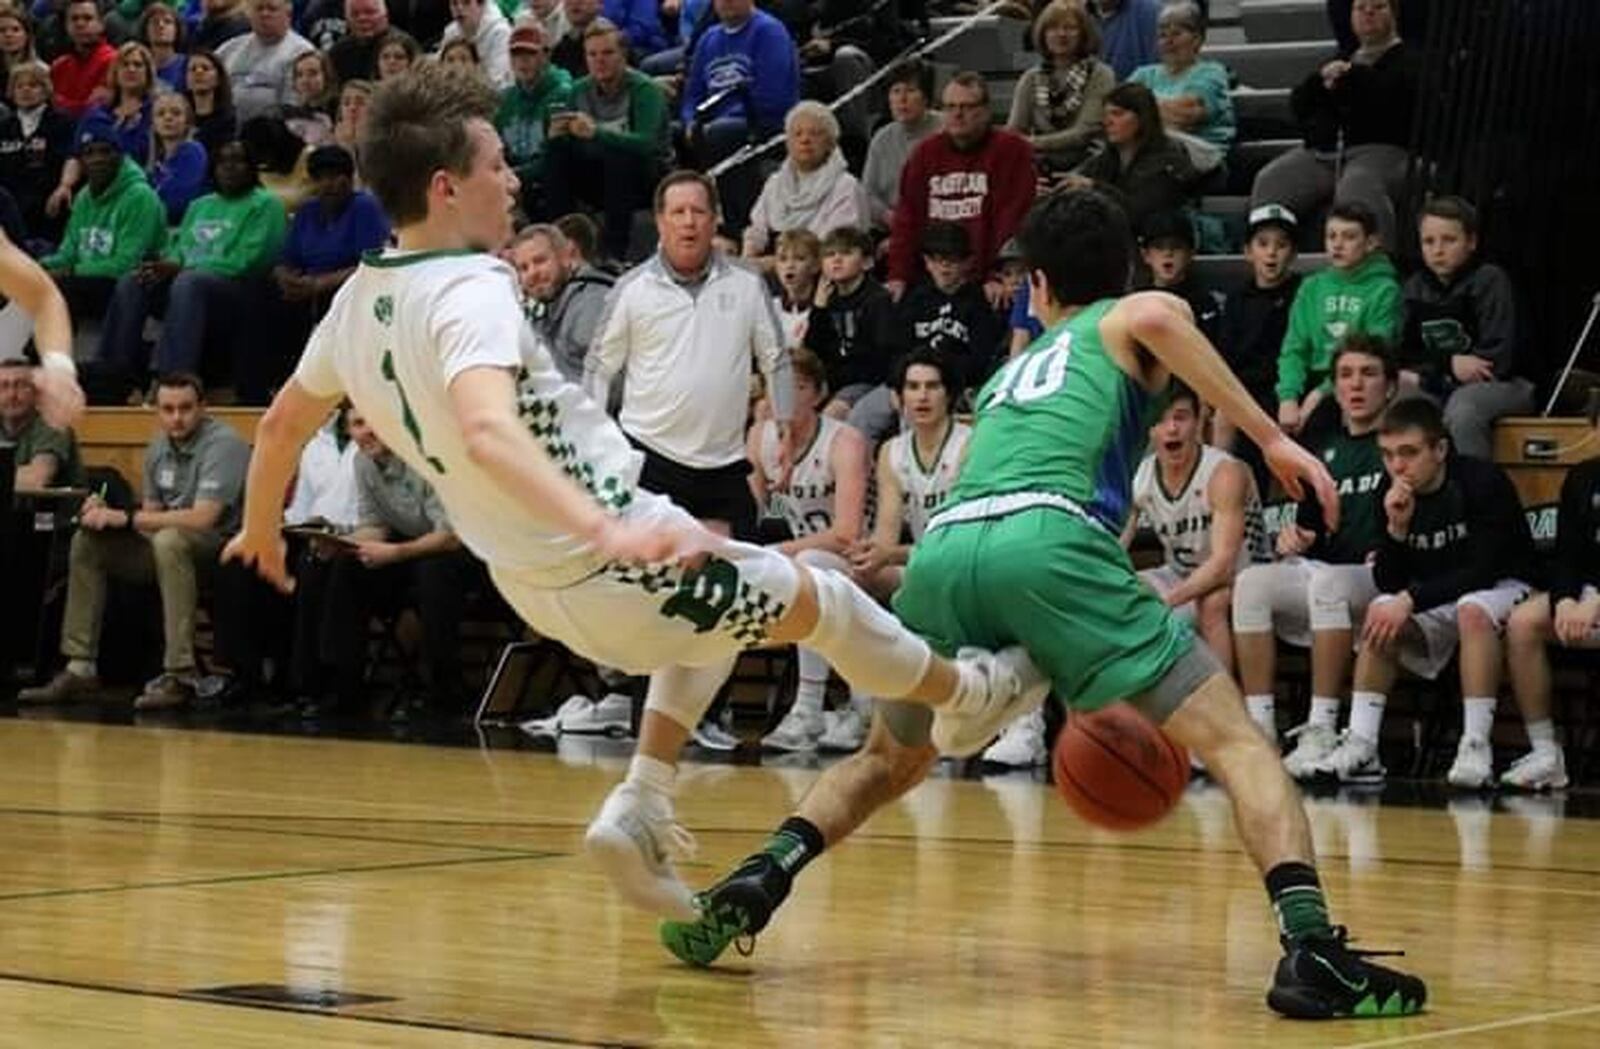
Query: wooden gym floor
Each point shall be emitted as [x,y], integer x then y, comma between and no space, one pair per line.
[161,886]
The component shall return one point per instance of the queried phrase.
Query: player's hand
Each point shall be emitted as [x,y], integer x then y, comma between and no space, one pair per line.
[686,541]
[60,399]
[1575,619]
[1297,469]
[1470,368]
[1399,504]
[867,557]
[1289,416]
[1385,620]
[375,554]
[268,555]
[1294,540]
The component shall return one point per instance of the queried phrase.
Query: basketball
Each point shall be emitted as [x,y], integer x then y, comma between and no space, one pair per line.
[1117,770]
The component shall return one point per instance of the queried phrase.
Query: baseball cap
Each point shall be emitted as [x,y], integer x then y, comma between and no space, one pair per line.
[330,159]
[527,36]
[1167,226]
[1273,215]
[97,127]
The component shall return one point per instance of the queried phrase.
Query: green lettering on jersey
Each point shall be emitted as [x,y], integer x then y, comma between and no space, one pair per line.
[704,595]
[407,416]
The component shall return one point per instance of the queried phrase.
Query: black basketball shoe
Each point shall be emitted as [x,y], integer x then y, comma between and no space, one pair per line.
[734,909]
[1323,979]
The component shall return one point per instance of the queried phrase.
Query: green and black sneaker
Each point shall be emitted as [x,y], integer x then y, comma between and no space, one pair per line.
[1322,979]
[731,911]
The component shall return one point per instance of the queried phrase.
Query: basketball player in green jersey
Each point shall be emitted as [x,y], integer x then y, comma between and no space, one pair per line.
[1026,552]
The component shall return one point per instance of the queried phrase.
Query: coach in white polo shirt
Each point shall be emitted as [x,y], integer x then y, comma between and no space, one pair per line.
[682,330]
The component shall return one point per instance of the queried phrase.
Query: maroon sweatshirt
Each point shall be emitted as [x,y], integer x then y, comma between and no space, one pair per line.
[988,189]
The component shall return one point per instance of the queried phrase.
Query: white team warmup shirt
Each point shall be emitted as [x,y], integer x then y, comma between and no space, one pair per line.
[924,488]
[1182,521]
[398,332]
[808,504]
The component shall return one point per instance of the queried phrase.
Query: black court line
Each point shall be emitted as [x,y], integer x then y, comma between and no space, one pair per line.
[230,879]
[878,838]
[275,1007]
[164,819]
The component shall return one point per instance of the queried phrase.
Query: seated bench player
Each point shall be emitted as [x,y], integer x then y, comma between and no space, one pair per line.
[1451,567]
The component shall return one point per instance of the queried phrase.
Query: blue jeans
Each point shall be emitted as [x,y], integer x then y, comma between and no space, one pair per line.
[192,303]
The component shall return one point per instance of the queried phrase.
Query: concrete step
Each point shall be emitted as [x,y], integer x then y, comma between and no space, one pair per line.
[1263,113]
[1280,21]
[992,44]
[1226,272]
[1225,12]
[1270,65]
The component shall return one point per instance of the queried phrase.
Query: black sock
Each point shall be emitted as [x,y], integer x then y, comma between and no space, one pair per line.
[794,844]
[1298,902]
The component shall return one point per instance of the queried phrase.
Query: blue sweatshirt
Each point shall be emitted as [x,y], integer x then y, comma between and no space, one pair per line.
[640,22]
[180,178]
[761,52]
[316,245]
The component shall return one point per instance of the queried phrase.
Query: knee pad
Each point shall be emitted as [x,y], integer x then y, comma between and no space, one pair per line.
[866,644]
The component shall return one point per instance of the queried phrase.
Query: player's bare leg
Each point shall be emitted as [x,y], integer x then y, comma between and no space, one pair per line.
[636,838]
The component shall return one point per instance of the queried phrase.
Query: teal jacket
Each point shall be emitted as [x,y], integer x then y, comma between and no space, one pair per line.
[231,237]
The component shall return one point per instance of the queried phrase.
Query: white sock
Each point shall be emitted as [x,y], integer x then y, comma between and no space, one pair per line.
[1324,712]
[1366,715]
[1263,712]
[813,686]
[653,774]
[1542,734]
[81,668]
[1477,717]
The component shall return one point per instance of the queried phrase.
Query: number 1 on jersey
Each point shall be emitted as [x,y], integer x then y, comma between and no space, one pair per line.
[407,416]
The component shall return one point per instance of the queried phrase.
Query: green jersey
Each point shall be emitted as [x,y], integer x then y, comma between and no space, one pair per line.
[1356,463]
[1063,419]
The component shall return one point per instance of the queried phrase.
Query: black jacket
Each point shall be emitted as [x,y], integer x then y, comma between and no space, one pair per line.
[30,165]
[1577,563]
[1465,536]
[854,335]
[960,326]
[1373,104]
[1476,313]
[1250,335]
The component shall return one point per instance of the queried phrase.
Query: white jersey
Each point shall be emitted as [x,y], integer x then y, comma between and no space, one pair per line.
[1183,521]
[399,331]
[924,488]
[808,504]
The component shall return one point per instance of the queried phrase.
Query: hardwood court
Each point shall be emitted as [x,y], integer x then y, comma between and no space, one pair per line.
[148,871]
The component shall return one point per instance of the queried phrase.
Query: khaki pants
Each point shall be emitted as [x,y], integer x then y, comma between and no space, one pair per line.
[172,558]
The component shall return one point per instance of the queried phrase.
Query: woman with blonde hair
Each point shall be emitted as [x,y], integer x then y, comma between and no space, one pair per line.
[133,79]
[179,166]
[1058,103]
[316,91]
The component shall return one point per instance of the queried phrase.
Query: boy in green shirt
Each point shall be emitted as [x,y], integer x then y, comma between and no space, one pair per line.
[1358,294]
[1026,549]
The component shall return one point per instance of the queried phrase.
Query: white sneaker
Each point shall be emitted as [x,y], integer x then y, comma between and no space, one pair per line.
[843,732]
[1016,687]
[1537,770]
[1354,760]
[1021,745]
[713,736]
[635,840]
[798,732]
[550,725]
[611,716]
[1473,768]
[1314,743]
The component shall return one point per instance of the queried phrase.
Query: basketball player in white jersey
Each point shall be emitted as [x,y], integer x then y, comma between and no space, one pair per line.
[33,297]
[823,504]
[1203,505]
[429,342]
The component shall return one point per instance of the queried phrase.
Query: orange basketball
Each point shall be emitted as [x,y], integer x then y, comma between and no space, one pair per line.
[1117,770]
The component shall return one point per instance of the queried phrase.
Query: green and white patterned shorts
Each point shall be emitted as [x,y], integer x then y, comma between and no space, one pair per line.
[639,618]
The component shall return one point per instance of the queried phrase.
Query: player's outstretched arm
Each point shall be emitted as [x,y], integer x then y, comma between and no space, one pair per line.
[26,283]
[282,433]
[1162,326]
[483,399]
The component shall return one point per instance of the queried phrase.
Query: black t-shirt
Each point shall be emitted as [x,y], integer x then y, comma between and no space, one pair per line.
[1577,561]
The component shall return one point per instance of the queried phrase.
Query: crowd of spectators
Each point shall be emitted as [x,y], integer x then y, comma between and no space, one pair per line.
[200,164]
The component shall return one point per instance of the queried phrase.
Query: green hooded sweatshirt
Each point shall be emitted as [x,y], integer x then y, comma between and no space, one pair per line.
[110,233]
[523,119]
[1329,306]
[231,237]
